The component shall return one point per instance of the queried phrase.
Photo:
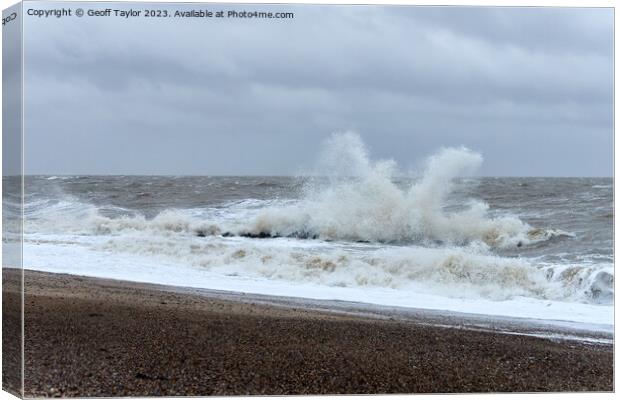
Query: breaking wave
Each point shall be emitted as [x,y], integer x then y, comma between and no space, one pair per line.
[361,202]
[358,201]
[468,271]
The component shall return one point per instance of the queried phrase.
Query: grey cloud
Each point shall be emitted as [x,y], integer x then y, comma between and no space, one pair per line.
[238,97]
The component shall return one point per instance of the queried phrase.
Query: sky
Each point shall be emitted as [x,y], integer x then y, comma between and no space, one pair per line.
[531,89]
[11,93]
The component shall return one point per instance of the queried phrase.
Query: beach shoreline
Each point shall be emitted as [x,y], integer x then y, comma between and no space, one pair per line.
[100,337]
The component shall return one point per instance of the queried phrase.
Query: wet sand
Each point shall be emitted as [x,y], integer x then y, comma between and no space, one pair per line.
[95,337]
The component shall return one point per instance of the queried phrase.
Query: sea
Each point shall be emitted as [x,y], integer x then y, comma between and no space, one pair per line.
[351,229]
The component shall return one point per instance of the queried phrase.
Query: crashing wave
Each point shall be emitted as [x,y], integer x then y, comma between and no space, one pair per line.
[359,202]
[362,203]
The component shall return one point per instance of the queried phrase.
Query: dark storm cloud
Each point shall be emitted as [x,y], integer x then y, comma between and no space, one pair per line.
[530,88]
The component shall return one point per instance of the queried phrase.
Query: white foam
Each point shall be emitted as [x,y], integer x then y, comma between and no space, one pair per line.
[466,272]
[81,259]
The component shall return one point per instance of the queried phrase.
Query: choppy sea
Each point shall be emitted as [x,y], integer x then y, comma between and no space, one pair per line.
[356,230]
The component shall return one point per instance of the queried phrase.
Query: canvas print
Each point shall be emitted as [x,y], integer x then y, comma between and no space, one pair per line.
[275,199]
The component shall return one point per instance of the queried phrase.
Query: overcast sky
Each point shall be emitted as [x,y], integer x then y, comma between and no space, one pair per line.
[529,88]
